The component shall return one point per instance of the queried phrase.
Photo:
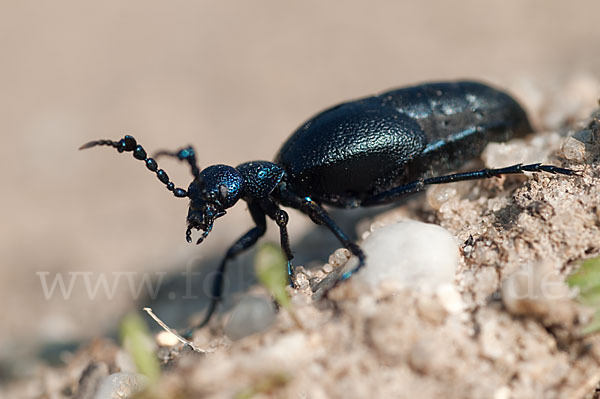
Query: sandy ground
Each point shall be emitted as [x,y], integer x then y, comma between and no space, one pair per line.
[499,333]
[234,80]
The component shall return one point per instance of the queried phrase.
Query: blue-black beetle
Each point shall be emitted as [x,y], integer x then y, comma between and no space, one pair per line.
[360,153]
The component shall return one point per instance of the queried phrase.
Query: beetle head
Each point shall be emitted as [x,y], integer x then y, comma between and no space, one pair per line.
[218,187]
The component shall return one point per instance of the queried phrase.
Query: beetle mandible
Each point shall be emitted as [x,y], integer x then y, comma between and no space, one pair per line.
[366,152]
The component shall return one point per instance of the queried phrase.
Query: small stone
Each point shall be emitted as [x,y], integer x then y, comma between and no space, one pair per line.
[450,299]
[431,309]
[339,257]
[121,385]
[253,314]
[412,254]
[439,195]
[502,393]
[421,355]
[301,281]
[165,338]
[539,291]
[573,149]
[497,155]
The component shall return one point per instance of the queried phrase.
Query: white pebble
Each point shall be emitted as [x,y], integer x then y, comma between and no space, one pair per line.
[252,314]
[412,254]
[502,393]
[121,386]
[165,338]
[450,298]
[573,149]
[327,268]
[339,257]
[439,195]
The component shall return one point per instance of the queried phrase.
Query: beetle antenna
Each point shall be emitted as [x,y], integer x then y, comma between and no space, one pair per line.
[129,144]
[184,154]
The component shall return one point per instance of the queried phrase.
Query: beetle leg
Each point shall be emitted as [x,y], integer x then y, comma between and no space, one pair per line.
[316,212]
[394,194]
[281,218]
[320,216]
[243,243]
[187,154]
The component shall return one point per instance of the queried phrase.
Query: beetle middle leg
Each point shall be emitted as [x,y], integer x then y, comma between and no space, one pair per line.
[320,216]
[396,193]
[281,218]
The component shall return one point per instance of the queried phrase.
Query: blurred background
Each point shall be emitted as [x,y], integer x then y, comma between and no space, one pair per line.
[234,79]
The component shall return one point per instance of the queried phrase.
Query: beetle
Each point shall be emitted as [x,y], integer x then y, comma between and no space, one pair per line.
[367,152]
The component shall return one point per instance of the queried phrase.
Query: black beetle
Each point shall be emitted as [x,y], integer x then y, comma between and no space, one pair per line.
[360,153]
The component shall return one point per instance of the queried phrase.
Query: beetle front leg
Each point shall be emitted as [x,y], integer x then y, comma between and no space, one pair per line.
[187,154]
[244,242]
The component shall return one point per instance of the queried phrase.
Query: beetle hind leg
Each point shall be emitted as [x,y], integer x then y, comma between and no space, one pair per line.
[396,193]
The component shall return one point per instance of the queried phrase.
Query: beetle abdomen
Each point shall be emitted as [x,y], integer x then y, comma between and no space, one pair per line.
[359,148]
[459,119]
[445,109]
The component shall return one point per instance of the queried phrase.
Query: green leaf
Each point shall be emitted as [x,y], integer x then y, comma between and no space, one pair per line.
[587,276]
[587,280]
[271,270]
[136,339]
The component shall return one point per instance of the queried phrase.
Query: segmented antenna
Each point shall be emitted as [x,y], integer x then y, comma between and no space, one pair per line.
[129,144]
